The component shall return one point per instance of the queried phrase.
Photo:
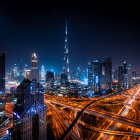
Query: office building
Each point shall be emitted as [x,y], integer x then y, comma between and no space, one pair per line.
[15,72]
[50,79]
[124,76]
[29,114]
[28,74]
[64,80]
[42,73]
[100,75]
[34,67]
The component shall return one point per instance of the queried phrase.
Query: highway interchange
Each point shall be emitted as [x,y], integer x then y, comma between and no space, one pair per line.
[115,117]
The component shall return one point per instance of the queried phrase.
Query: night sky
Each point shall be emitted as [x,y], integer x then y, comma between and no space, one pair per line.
[95,30]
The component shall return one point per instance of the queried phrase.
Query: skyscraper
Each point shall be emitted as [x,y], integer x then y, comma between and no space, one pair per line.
[100,75]
[66,58]
[124,76]
[20,70]
[21,73]
[29,114]
[28,74]
[2,73]
[15,72]
[120,77]
[25,68]
[50,79]
[42,73]
[107,74]
[34,67]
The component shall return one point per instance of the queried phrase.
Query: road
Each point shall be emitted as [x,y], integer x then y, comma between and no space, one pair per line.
[112,118]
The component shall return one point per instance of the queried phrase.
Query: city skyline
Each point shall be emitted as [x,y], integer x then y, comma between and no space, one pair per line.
[96,31]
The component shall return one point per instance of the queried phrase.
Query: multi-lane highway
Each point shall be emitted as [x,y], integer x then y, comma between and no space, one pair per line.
[109,118]
[123,124]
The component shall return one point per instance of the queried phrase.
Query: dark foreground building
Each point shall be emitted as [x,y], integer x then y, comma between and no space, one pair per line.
[29,114]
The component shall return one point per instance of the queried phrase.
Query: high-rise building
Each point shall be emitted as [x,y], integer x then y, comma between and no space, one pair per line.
[124,76]
[28,74]
[66,58]
[34,67]
[20,70]
[120,77]
[42,73]
[129,76]
[64,80]
[15,72]
[25,68]
[107,74]
[2,73]
[29,114]
[97,71]
[90,74]
[21,73]
[100,75]
[50,79]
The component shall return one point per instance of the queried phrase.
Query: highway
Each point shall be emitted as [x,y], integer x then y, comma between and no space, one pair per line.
[108,117]
[131,123]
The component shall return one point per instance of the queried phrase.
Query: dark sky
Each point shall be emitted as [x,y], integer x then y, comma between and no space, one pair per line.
[96,30]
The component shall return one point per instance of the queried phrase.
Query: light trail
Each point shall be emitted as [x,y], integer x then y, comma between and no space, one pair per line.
[119,124]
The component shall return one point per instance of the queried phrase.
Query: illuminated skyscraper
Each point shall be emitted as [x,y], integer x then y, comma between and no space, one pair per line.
[100,75]
[50,79]
[29,114]
[66,58]
[21,73]
[124,76]
[106,80]
[15,72]
[42,73]
[28,74]
[25,68]
[34,67]
[2,73]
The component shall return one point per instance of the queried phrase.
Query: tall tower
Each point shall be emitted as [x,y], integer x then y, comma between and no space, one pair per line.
[66,59]
[34,67]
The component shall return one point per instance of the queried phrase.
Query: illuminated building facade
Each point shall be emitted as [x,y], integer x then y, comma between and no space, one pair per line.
[21,73]
[50,79]
[28,74]
[29,114]
[2,73]
[64,80]
[25,68]
[34,67]
[120,77]
[42,73]
[100,75]
[15,72]
[124,76]
[97,75]
[90,74]
[106,74]
[66,58]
